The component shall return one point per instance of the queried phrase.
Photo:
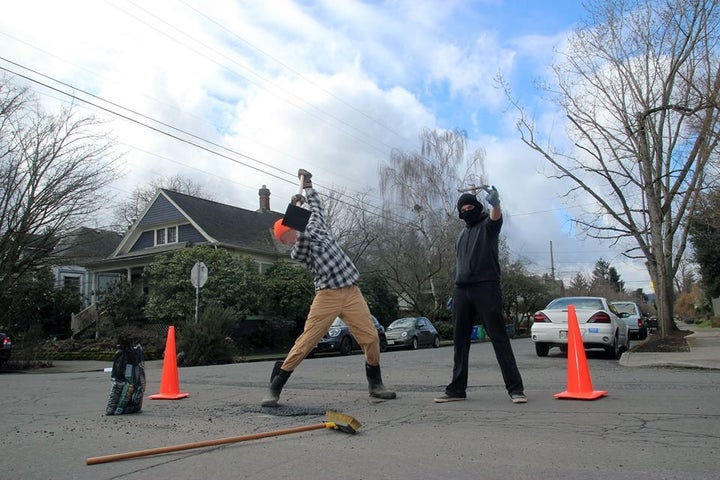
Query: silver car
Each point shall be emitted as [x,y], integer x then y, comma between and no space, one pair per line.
[632,315]
[599,322]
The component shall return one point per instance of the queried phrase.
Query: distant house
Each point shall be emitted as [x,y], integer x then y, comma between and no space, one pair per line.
[74,252]
[173,221]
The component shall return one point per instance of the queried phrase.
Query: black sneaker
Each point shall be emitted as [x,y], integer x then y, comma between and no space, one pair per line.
[444,398]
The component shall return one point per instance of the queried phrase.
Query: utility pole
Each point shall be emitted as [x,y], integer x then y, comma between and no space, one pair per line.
[552,263]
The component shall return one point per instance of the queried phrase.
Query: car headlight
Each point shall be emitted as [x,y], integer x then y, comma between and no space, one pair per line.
[334,332]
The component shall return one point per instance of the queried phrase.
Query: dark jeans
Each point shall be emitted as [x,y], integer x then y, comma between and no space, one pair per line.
[481,305]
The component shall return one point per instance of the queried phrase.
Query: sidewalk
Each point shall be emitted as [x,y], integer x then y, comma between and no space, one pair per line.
[84,366]
[704,352]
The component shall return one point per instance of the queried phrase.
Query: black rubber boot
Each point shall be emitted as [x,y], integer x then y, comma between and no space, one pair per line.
[375,383]
[278,377]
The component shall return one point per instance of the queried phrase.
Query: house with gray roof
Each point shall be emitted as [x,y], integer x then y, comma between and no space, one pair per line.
[72,254]
[173,221]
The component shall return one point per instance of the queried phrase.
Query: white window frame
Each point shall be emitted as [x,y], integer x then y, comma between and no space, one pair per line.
[174,230]
[164,235]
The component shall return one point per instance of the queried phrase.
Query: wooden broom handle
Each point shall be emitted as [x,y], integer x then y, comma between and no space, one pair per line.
[206,443]
[302,180]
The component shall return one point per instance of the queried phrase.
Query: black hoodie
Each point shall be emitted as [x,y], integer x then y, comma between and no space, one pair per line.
[477,249]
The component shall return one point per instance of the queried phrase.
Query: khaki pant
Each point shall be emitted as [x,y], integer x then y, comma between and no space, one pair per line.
[347,303]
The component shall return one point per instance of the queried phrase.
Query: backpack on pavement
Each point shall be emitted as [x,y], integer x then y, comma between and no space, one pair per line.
[127,387]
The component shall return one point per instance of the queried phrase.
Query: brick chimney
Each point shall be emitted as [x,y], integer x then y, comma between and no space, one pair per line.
[264,198]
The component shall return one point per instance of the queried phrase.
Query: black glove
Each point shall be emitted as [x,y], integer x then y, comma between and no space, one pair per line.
[297,199]
[307,182]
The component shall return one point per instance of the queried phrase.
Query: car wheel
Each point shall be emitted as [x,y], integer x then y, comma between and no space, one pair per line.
[542,349]
[436,342]
[613,351]
[383,344]
[626,347]
[413,344]
[345,346]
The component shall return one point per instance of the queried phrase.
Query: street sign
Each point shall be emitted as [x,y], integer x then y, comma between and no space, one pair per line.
[198,275]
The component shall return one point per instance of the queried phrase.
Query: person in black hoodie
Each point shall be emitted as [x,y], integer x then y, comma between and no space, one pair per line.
[477,298]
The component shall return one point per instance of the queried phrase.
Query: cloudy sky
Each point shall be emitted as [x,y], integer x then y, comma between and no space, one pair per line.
[238,94]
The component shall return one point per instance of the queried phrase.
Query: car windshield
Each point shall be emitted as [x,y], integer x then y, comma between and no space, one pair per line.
[338,322]
[584,303]
[625,308]
[403,323]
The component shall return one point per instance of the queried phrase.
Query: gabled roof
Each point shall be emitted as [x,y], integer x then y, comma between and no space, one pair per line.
[85,245]
[215,223]
[228,225]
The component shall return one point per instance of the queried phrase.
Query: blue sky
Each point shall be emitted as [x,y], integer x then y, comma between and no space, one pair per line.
[331,86]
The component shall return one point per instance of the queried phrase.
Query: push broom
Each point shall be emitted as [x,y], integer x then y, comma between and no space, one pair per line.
[336,421]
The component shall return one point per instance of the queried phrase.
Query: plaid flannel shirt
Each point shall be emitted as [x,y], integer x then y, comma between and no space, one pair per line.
[319,252]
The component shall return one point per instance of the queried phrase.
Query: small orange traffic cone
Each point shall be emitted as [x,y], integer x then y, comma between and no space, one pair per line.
[170,383]
[579,385]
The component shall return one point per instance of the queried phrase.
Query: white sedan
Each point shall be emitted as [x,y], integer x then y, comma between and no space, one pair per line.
[599,322]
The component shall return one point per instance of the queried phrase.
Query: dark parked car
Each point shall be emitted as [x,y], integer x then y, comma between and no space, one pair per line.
[412,332]
[339,339]
[5,348]
[651,322]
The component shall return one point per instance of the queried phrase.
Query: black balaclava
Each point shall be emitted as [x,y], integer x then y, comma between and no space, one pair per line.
[473,216]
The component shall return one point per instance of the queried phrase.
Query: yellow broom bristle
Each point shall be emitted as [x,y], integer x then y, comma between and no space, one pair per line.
[345,419]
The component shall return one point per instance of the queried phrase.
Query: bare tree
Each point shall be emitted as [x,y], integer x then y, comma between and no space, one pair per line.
[126,213]
[639,85]
[420,190]
[52,170]
[685,278]
[354,223]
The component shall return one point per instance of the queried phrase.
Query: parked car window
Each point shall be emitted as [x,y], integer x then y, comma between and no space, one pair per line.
[589,303]
[626,307]
[403,322]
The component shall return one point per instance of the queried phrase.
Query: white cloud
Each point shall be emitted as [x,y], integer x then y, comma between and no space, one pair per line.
[331,86]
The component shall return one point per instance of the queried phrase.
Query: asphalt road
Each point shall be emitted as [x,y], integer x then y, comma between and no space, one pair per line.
[659,423]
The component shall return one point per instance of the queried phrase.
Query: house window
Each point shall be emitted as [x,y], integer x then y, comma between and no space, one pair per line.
[172,234]
[264,267]
[71,283]
[166,235]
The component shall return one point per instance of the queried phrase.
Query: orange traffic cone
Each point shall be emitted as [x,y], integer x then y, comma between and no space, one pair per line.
[579,385]
[170,383]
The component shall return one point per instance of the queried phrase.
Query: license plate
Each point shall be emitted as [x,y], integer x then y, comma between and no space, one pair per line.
[391,342]
[563,333]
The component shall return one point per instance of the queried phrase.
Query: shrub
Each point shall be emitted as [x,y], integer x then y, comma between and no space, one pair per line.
[207,341]
[269,335]
[445,329]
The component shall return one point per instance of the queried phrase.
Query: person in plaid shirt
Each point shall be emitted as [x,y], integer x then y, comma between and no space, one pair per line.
[336,294]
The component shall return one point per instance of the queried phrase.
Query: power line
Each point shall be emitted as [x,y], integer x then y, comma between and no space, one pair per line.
[176,137]
[300,75]
[331,116]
